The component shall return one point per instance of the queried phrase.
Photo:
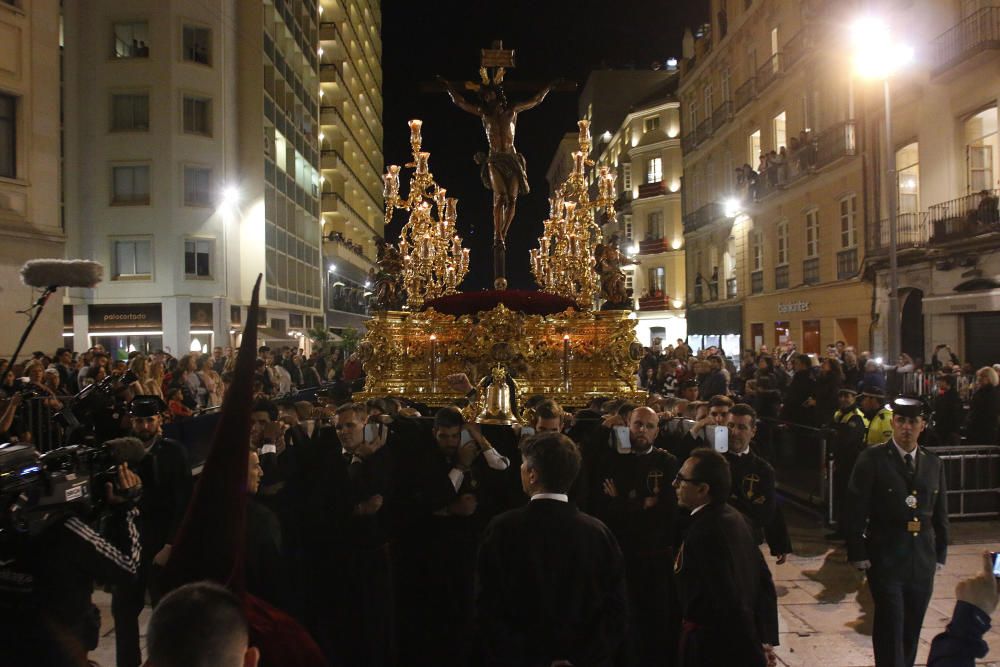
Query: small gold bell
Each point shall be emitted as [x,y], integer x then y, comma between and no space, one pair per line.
[497,404]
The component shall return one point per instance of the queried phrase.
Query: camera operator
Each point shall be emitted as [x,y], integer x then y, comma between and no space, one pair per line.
[46,579]
[166,478]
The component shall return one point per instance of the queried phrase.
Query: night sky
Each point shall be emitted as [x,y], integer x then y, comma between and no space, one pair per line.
[552,39]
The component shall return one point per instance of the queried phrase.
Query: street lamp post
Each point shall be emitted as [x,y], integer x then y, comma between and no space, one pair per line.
[890,161]
[877,56]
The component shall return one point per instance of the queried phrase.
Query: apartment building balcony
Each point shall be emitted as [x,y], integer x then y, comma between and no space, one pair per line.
[703,216]
[979,32]
[656,301]
[336,246]
[722,115]
[652,189]
[847,263]
[704,130]
[912,231]
[964,217]
[836,142]
[768,72]
[744,94]
[333,202]
[332,159]
[653,246]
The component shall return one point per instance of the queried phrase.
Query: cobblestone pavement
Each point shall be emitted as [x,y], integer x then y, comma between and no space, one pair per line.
[825,608]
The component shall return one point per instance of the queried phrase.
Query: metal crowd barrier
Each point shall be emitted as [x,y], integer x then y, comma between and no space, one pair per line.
[800,458]
[45,433]
[972,476]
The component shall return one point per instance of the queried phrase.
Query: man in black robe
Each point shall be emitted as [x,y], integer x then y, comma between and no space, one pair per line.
[639,507]
[551,579]
[725,591]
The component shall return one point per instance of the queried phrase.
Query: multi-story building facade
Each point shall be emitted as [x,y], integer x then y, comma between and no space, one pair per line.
[645,153]
[189,188]
[352,160]
[774,253]
[944,135]
[30,216]
[561,164]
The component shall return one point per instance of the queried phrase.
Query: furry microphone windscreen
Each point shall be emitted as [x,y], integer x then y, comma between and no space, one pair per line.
[126,450]
[61,273]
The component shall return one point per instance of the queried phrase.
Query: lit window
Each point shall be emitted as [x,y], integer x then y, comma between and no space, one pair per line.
[130,185]
[982,151]
[757,250]
[133,259]
[654,170]
[778,127]
[753,149]
[812,233]
[197,186]
[130,112]
[131,40]
[908,178]
[198,258]
[198,115]
[848,222]
[197,45]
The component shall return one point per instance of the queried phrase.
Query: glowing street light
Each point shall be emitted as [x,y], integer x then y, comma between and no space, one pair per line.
[731,207]
[877,55]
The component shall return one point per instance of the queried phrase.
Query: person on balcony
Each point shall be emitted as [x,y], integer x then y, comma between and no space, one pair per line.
[987,212]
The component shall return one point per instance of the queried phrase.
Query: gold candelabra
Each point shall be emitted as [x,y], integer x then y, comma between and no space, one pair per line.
[434,261]
[564,262]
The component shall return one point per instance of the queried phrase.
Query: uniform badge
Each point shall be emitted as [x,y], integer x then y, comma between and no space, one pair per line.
[911,501]
[632,494]
[473,483]
[748,483]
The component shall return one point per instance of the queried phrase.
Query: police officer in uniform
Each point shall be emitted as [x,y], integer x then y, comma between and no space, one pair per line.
[850,427]
[897,531]
[166,481]
[879,415]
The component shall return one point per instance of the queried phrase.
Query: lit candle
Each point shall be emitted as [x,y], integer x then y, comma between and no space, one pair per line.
[578,162]
[415,126]
[584,131]
[570,208]
[422,159]
[434,358]
[565,364]
[440,198]
[452,209]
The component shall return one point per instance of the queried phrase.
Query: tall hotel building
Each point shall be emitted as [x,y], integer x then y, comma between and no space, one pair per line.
[192,164]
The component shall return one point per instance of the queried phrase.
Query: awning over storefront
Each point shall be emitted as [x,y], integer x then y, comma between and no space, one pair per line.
[962,302]
[715,321]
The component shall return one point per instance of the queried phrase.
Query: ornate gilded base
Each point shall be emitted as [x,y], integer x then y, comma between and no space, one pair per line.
[571,357]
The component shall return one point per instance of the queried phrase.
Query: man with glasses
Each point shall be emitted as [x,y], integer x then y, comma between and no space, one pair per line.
[725,591]
[897,532]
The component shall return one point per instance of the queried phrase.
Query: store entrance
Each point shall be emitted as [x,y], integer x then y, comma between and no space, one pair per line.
[118,347]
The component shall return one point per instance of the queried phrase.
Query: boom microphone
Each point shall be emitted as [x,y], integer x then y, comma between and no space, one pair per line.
[127,450]
[61,273]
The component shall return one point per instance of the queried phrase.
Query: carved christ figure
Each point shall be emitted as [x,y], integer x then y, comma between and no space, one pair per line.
[503,170]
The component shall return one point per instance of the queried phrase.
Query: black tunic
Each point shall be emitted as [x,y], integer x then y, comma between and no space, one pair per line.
[551,586]
[725,590]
